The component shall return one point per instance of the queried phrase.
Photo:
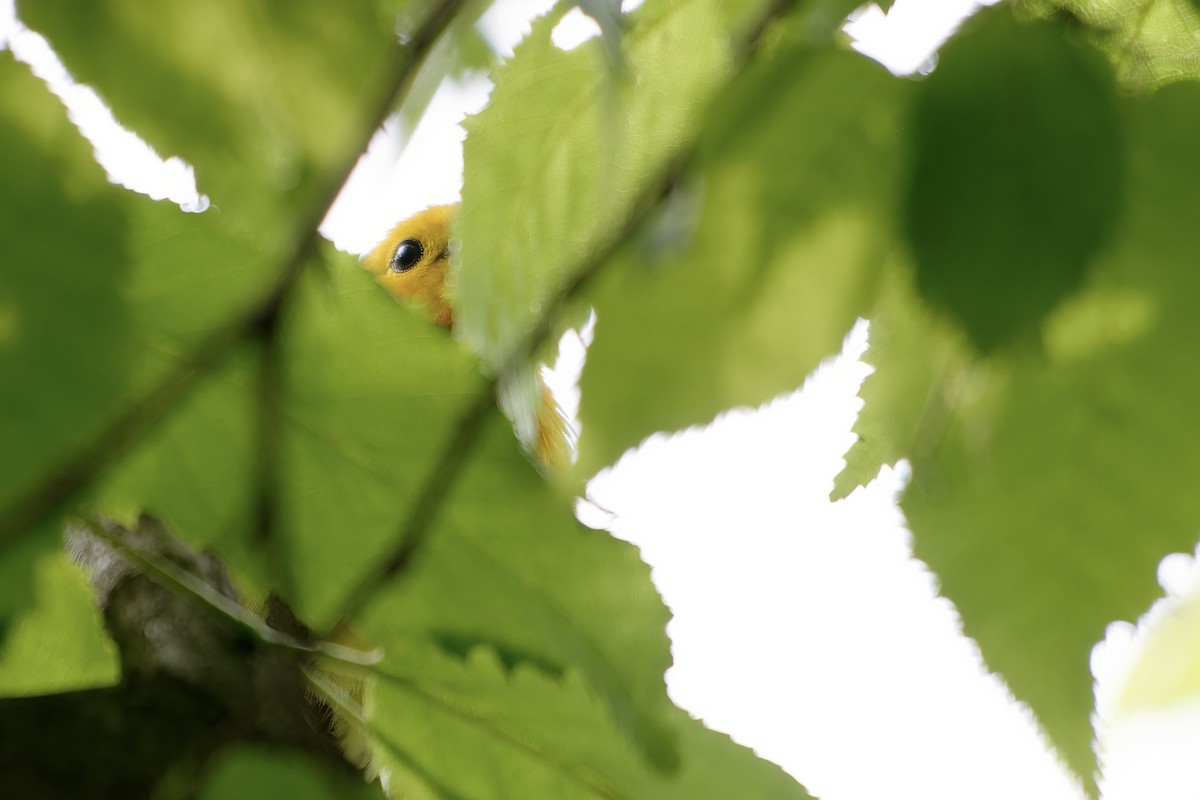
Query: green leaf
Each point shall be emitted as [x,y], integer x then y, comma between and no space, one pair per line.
[1063,478]
[767,276]
[59,644]
[64,343]
[261,97]
[1166,670]
[903,404]
[18,576]
[250,773]
[1016,178]
[195,473]
[189,276]
[371,393]
[520,732]
[509,568]
[1149,43]
[555,159]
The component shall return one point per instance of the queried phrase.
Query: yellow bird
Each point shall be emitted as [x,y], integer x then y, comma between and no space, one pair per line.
[413,264]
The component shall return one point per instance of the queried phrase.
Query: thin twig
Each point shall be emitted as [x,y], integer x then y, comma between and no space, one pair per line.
[66,482]
[267,456]
[184,583]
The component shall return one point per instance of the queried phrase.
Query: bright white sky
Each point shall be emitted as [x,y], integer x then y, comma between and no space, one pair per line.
[803,628]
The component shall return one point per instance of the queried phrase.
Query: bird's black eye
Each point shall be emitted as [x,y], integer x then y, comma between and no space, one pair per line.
[407,254]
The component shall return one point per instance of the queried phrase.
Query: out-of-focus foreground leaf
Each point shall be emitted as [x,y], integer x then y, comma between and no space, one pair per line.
[1016,174]
[1167,669]
[903,411]
[249,773]
[261,97]
[64,338]
[557,157]
[367,393]
[507,567]
[64,334]
[60,644]
[752,289]
[1149,42]
[1047,485]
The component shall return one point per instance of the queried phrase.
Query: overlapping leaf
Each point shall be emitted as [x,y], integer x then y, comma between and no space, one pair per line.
[523,732]
[260,97]
[372,391]
[248,773]
[558,155]
[1061,478]
[508,567]
[1166,671]
[768,276]
[1016,175]
[1150,42]
[64,336]
[904,407]
[64,339]
[368,392]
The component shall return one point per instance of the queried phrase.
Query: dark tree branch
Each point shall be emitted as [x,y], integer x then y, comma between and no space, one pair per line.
[194,682]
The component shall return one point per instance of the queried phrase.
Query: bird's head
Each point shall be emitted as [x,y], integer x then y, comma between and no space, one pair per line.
[413,261]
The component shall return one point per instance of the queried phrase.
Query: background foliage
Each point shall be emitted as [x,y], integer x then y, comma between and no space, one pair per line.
[729,187]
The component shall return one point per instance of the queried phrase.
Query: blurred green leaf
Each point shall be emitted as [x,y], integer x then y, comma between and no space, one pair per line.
[904,407]
[556,158]
[19,579]
[196,471]
[508,567]
[372,392]
[1063,478]
[59,644]
[260,96]
[521,732]
[252,773]
[1166,669]
[768,275]
[369,392]
[1016,180]
[64,333]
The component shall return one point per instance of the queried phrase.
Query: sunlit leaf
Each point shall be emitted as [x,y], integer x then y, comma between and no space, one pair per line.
[766,277]
[1166,670]
[1062,478]
[372,392]
[508,567]
[523,732]
[904,407]
[555,159]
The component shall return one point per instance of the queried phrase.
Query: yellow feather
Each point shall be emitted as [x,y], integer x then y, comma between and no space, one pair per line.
[424,280]
[413,264]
